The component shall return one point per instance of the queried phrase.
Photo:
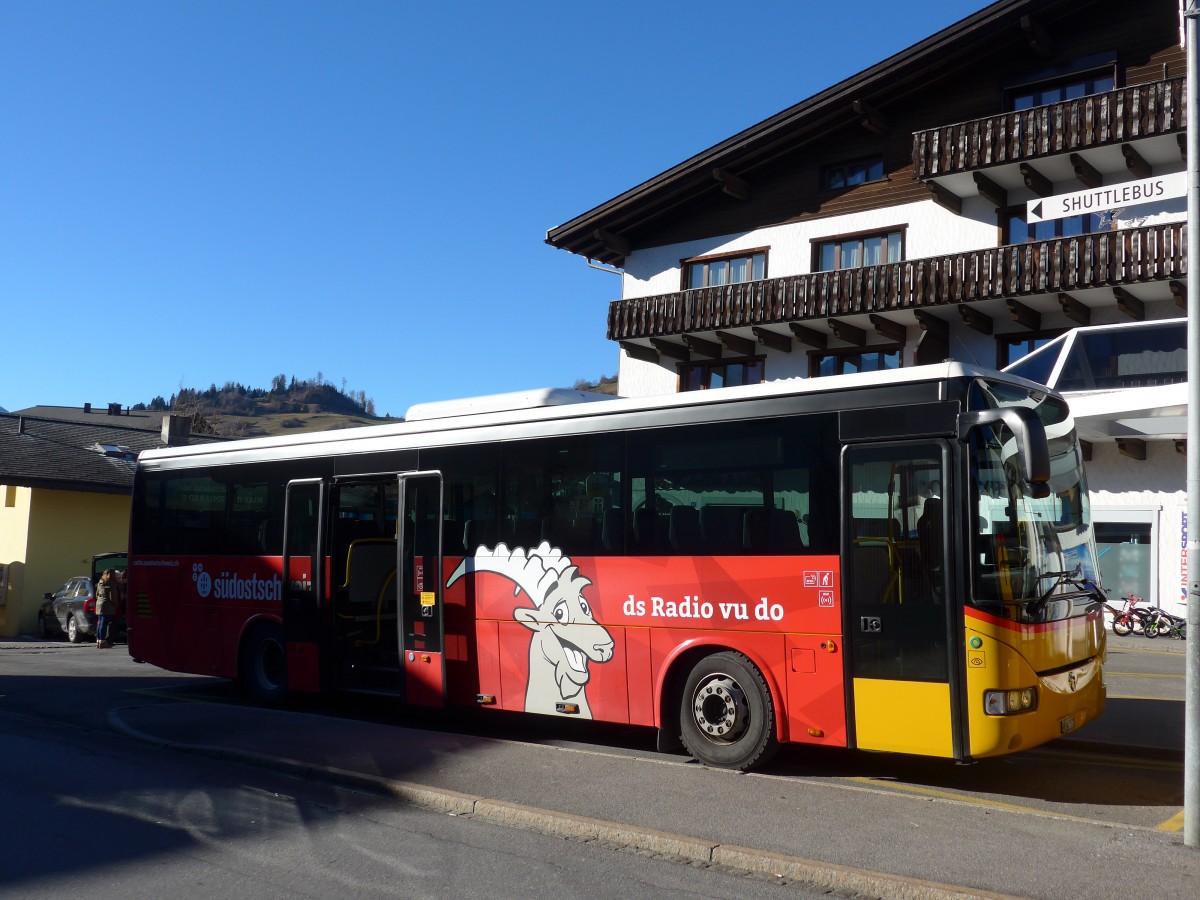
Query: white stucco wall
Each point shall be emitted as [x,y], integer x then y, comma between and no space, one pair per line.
[1149,490]
[931,230]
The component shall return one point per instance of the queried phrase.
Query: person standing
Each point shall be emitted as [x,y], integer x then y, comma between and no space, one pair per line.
[106,609]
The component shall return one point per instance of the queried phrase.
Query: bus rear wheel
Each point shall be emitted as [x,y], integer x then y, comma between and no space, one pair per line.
[263,669]
[726,716]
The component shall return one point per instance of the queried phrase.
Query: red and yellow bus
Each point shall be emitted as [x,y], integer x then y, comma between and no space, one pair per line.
[863,561]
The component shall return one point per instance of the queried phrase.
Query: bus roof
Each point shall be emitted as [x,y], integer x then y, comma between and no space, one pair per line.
[495,411]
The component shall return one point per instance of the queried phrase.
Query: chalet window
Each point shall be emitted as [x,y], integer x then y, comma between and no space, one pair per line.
[1016,230]
[1058,90]
[1012,347]
[854,359]
[713,271]
[848,174]
[854,250]
[721,373]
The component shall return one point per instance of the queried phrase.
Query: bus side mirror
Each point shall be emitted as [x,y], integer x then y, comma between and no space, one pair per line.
[1030,433]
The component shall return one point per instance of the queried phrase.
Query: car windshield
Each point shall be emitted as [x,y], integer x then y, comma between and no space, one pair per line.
[1022,538]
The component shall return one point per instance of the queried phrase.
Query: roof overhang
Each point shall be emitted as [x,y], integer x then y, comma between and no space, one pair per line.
[610,231]
[1149,413]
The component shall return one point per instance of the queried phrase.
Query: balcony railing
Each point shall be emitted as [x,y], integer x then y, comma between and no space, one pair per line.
[1114,117]
[1102,259]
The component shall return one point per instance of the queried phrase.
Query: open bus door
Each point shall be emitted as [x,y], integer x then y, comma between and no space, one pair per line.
[900,618]
[305,607]
[421,579]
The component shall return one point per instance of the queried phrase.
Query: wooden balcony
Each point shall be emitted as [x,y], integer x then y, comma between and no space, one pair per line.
[1154,253]
[1072,126]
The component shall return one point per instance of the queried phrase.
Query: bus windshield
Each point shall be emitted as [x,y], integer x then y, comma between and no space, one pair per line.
[1023,540]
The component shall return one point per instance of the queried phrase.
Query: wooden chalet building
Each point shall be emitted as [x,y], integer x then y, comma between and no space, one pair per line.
[886,222]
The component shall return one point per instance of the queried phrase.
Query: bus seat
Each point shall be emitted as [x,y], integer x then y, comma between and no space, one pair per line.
[645,530]
[478,532]
[684,530]
[270,536]
[721,528]
[771,531]
[612,530]
[369,565]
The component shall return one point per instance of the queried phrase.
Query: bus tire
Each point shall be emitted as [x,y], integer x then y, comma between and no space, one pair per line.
[263,666]
[726,716]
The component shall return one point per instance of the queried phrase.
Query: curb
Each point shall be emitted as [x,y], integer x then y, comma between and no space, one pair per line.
[820,875]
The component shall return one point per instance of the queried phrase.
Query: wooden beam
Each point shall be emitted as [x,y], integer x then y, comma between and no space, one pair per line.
[773,339]
[989,190]
[1179,292]
[889,328]
[1137,166]
[809,336]
[1085,172]
[1036,181]
[1129,304]
[731,184]
[932,324]
[700,345]
[1134,448]
[973,318]
[1038,38]
[671,349]
[739,345]
[851,334]
[872,119]
[638,351]
[611,241]
[1085,448]
[945,198]
[1025,316]
[1075,310]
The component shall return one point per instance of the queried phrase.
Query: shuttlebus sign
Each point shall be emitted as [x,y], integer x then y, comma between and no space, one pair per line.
[1112,196]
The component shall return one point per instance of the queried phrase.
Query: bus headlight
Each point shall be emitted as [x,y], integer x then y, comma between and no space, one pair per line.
[1007,703]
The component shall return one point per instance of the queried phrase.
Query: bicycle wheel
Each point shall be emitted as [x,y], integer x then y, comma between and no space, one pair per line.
[1137,621]
[1122,624]
[1152,628]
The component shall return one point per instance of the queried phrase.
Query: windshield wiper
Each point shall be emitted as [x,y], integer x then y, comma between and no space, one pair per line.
[1075,577]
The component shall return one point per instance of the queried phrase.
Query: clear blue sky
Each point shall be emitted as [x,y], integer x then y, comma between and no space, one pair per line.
[196,192]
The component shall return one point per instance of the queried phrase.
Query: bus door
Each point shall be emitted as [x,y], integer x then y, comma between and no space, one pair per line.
[363,556]
[899,615]
[421,580]
[305,609]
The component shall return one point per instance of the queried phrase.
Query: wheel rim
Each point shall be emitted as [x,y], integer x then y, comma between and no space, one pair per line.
[272,664]
[720,708]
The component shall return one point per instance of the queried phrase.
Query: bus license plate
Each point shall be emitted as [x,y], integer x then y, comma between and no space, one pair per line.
[1067,724]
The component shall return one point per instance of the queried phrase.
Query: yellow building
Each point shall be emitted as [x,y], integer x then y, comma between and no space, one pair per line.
[66,477]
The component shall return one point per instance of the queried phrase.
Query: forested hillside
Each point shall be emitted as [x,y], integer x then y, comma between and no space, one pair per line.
[290,404]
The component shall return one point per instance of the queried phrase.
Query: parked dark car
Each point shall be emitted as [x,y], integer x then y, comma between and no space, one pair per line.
[70,611]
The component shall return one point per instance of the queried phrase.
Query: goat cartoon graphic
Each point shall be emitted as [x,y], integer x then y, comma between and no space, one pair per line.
[565,634]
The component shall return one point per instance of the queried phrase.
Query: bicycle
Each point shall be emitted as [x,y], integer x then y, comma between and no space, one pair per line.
[1159,622]
[1128,618]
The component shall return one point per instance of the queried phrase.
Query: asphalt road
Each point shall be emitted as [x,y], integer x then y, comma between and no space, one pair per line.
[1076,817]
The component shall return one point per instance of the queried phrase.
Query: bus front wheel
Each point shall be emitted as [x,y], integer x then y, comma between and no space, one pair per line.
[263,668]
[726,715]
